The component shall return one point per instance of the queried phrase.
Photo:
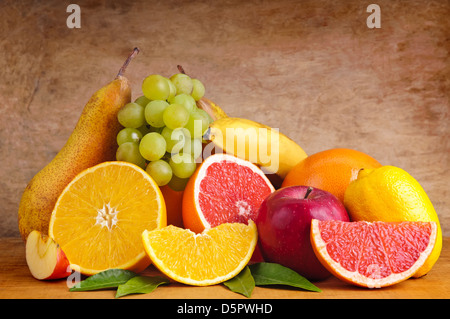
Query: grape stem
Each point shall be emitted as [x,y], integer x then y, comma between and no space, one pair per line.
[127,61]
[180,68]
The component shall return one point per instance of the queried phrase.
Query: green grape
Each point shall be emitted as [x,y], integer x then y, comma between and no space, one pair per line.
[175,115]
[128,135]
[175,139]
[183,83]
[160,171]
[145,129]
[156,87]
[152,146]
[173,90]
[183,165]
[186,100]
[156,129]
[198,90]
[142,100]
[205,114]
[131,115]
[129,152]
[193,147]
[178,184]
[154,112]
[198,123]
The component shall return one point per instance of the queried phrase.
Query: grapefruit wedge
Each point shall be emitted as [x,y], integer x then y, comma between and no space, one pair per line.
[224,189]
[372,255]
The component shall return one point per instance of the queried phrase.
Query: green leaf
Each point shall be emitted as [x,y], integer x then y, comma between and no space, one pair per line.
[243,283]
[275,274]
[110,278]
[140,285]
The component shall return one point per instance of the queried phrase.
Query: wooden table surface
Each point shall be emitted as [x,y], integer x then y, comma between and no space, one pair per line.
[17,282]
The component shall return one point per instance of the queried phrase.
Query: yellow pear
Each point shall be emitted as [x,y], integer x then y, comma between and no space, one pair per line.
[93,141]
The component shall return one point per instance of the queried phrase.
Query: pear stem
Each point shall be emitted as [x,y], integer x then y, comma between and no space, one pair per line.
[308,191]
[127,61]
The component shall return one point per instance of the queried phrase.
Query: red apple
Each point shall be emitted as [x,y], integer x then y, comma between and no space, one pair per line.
[257,256]
[45,258]
[284,225]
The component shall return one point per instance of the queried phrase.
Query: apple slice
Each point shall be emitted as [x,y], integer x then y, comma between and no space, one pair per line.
[45,258]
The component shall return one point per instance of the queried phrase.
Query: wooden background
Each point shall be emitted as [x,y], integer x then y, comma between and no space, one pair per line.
[311,68]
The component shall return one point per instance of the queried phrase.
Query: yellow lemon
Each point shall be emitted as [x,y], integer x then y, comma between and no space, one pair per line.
[390,194]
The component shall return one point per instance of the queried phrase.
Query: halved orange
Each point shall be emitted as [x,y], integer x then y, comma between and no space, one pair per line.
[224,189]
[373,255]
[209,258]
[100,216]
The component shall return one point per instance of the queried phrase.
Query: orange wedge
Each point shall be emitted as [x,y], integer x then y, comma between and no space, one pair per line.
[100,216]
[211,257]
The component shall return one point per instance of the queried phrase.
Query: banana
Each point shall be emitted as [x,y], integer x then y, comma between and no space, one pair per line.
[275,153]
[211,108]
[271,150]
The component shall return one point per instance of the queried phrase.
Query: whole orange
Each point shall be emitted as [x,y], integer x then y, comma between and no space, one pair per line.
[173,200]
[330,170]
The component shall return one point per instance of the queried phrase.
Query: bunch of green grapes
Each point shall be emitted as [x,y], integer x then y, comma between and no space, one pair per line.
[163,129]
